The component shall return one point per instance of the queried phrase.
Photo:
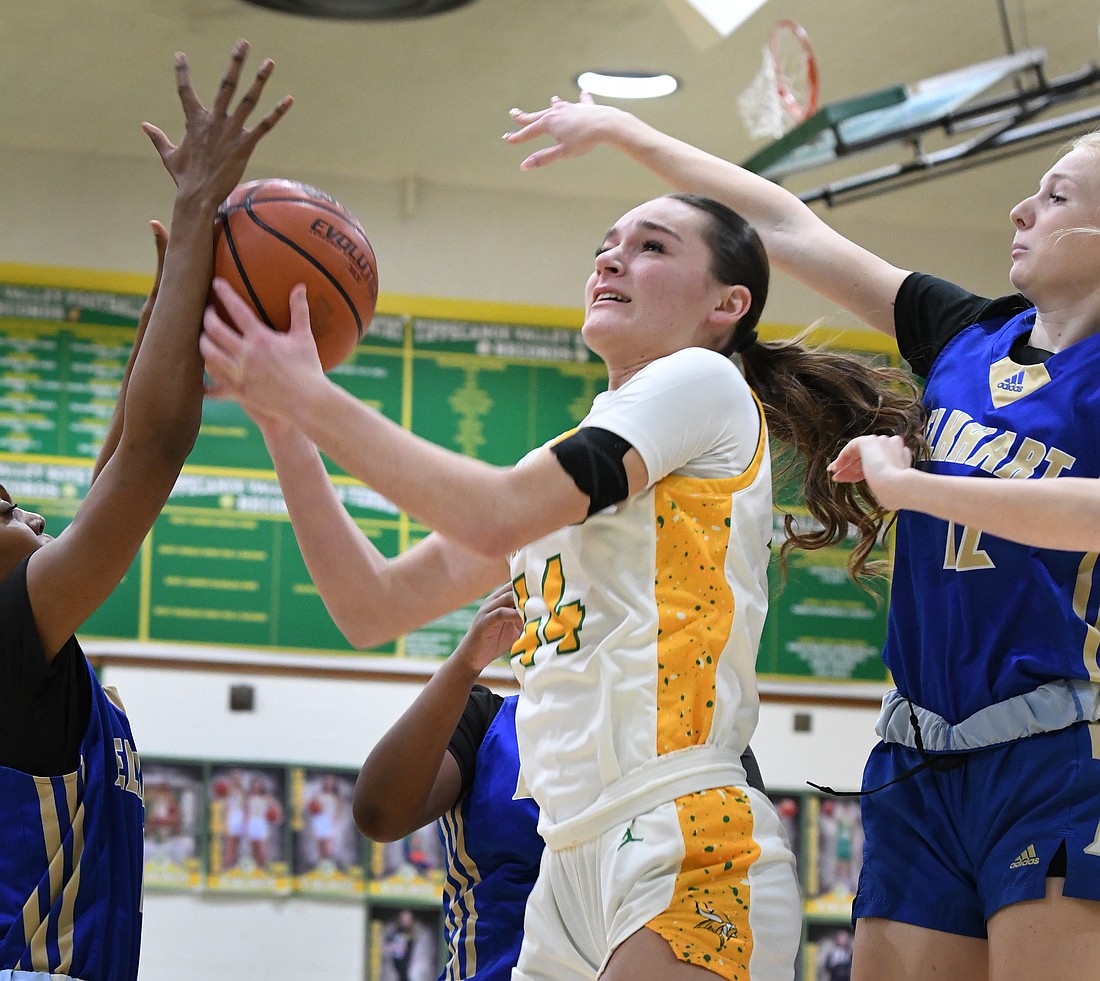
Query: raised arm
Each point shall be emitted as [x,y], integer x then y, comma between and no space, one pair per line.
[797,241]
[409,779]
[118,417]
[69,578]
[371,598]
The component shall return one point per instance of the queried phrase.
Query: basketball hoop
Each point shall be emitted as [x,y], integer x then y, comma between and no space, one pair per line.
[785,91]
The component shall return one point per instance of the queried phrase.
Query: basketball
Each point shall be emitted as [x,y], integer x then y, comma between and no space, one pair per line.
[271,234]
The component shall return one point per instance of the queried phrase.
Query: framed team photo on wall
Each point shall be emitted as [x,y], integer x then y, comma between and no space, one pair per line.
[175,802]
[835,855]
[327,849]
[789,809]
[404,944]
[827,952]
[247,838]
[409,868]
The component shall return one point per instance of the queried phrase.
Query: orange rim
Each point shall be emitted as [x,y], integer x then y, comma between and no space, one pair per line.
[790,82]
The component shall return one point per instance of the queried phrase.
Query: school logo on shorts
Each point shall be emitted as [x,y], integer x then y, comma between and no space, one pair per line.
[1026,857]
[716,923]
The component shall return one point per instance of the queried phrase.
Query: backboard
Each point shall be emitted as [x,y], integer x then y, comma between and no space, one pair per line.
[958,102]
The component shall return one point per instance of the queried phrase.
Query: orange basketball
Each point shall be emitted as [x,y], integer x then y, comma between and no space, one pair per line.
[271,234]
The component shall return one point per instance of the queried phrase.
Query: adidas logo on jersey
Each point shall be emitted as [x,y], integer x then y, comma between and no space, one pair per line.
[1015,383]
[1026,857]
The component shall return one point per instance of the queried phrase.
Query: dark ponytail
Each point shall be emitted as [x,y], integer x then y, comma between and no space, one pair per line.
[815,400]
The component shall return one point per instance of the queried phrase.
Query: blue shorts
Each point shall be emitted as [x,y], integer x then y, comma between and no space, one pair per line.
[947,849]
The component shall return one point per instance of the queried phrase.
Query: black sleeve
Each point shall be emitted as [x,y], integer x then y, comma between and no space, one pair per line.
[593,458]
[481,708]
[755,778]
[929,311]
[44,707]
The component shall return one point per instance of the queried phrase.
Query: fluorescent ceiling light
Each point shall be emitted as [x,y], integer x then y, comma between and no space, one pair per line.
[627,85]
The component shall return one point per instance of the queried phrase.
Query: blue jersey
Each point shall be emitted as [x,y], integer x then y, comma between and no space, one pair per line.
[975,619]
[493,852]
[71,845]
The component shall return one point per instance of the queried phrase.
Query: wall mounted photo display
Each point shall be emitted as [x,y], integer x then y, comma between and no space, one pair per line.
[327,849]
[404,944]
[834,857]
[247,840]
[827,952]
[175,823]
[411,868]
[789,809]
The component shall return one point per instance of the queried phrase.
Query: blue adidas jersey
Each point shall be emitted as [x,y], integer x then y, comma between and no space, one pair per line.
[493,853]
[71,857]
[975,619]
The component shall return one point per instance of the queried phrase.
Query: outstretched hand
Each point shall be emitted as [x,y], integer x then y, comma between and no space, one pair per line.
[216,145]
[267,371]
[878,460]
[576,128]
[495,629]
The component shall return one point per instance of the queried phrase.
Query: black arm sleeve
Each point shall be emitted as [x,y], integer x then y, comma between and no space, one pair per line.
[929,311]
[481,708]
[593,457]
[754,778]
[44,707]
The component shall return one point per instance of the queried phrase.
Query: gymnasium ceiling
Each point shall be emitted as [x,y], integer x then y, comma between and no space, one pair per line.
[428,98]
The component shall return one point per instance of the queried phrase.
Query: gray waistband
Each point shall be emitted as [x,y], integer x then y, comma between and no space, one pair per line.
[1050,707]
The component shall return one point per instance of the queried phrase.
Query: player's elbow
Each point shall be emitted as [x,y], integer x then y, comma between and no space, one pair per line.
[504,524]
[366,628]
[377,822]
[359,635]
[171,439]
[497,538]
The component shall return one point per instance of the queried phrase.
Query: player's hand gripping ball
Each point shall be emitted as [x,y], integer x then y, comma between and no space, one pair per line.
[271,234]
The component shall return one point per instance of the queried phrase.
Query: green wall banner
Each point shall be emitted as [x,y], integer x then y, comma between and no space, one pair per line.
[221,566]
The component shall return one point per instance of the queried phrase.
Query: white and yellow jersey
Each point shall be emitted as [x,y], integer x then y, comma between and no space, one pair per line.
[642,623]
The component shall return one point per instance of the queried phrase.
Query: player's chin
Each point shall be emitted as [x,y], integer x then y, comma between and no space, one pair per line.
[596,340]
[1017,273]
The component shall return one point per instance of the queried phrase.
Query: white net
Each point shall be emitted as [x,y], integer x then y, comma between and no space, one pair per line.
[761,111]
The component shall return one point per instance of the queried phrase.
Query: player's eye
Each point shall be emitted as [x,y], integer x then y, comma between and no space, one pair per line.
[652,245]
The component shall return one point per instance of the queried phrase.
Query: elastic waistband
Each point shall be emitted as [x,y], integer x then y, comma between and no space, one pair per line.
[686,771]
[1049,708]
